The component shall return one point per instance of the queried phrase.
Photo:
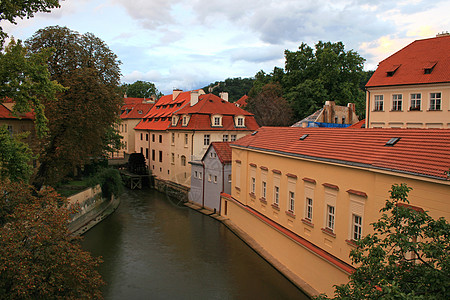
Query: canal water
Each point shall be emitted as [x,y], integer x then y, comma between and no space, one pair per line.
[155,248]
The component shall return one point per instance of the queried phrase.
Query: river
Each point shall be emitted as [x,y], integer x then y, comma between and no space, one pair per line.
[155,248]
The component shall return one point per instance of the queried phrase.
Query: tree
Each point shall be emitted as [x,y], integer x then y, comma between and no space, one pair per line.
[235,87]
[11,9]
[80,120]
[405,258]
[270,108]
[326,73]
[38,257]
[141,89]
[15,156]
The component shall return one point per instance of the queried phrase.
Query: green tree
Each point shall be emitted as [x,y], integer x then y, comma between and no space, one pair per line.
[38,257]
[12,9]
[15,156]
[270,108]
[80,120]
[326,73]
[141,89]
[405,258]
[235,87]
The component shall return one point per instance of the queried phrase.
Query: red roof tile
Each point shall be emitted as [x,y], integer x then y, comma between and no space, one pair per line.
[360,124]
[211,104]
[408,65]
[242,102]
[223,151]
[422,152]
[6,109]
[138,111]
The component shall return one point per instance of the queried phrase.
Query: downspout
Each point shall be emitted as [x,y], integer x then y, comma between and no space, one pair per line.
[203,186]
[368,109]
[223,189]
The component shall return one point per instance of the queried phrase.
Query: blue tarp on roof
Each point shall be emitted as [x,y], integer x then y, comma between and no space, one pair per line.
[327,125]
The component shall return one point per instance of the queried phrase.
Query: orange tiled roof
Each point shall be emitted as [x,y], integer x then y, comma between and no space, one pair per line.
[360,124]
[138,111]
[223,151]
[6,109]
[242,102]
[211,104]
[422,152]
[408,65]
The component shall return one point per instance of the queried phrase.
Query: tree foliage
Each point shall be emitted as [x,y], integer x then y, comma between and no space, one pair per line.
[15,156]
[12,9]
[270,108]
[81,118]
[25,79]
[235,87]
[38,257]
[405,258]
[141,89]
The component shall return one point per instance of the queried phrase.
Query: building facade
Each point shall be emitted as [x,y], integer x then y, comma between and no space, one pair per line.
[306,194]
[411,88]
[331,114]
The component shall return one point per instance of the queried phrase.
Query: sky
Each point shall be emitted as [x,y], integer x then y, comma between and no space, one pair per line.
[189,44]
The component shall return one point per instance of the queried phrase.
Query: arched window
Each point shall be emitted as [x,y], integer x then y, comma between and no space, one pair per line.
[183,160]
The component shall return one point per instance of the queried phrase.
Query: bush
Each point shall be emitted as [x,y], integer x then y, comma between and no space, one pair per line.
[110,182]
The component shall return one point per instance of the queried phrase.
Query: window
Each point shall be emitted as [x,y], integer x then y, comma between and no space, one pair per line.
[160,138]
[195,174]
[160,156]
[217,121]
[206,139]
[142,136]
[183,160]
[378,103]
[233,137]
[153,137]
[142,150]
[330,217]
[291,201]
[173,158]
[153,154]
[146,153]
[240,122]
[199,175]
[264,188]
[174,121]
[185,138]
[253,185]
[173,138]
[212,154]
[357,227]
[276,195]
[309,209]
[336,120]
[435,101]
[225,138]
[209,177]
[185,120]
[415,101]
[126,128]
[397,102]
[229,177]
[343,120]
[215,179]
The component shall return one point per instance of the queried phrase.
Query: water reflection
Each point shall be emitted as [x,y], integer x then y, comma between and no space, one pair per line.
[154,249]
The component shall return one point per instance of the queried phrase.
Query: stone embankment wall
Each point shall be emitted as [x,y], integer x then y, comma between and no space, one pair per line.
[171,189]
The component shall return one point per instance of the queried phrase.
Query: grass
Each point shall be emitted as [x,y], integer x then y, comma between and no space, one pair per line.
[72,187]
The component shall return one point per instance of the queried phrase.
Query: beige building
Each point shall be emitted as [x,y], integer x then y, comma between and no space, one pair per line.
[331,114]
[411,88]
[195,127]
[304,195]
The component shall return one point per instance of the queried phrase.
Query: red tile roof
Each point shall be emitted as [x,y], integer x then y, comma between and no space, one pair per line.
[422,152]
[360,124]
[138,111]
[6,109]
[223,151]
[211,104]
[408,65]
[242,102]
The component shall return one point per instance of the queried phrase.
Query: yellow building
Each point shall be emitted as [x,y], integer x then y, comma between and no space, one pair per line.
[411,88]
[304,195]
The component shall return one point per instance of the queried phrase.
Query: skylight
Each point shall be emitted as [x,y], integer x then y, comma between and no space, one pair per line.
[303,137]
[254,132]
[392,141]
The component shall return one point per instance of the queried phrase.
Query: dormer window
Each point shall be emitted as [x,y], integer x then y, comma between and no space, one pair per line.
[428,68]
[391,71]
[174,120]
[140,112]
[216,120]
[185,120]
[240,121]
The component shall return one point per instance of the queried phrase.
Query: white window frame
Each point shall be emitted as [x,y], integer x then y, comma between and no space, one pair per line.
[206,139]
[225,138]
[309,209]
[186,139]
[233,137]
[253,185]
[263,189]
[415,101]
[356,227]
[435,101]
[397,102]
[291,201]
[331,217]
[276,195]
[185,121]
[378,103]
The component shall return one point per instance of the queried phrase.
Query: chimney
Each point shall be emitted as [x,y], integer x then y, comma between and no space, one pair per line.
[194,97]
[224,96]
[125,95]
[351,111]
[175,94]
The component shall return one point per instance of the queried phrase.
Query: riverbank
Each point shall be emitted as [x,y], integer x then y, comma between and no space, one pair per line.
[296,280]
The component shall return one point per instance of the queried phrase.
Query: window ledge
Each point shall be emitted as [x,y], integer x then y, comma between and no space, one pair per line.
[414,110]
[252,195]
[329,232]
[275,206]
[290,214]
[396,110]
[434,109]
[308,222]
[351,243]
[237,188]
[376,110]
[263,200]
